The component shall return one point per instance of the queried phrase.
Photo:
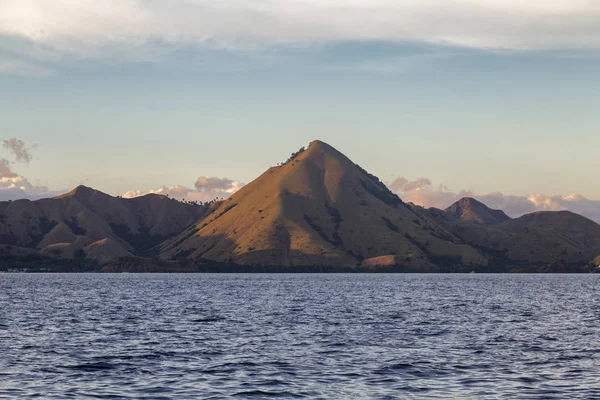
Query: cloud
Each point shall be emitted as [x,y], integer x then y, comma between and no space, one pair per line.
[393,63]
[219,184]
[414,185]
[140,28]
[12,185]
[5,169]
[19,67]
[206,189]
[397,185]
[18,187]
[18,149]
[423,193]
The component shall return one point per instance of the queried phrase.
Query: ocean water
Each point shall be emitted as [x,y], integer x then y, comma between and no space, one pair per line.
[217,336]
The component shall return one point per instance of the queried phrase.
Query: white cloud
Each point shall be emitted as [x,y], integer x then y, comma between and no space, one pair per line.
[18,187]
[91,28]
[423,193]
[206,189]
[14,186]
[5,169]
[205,184]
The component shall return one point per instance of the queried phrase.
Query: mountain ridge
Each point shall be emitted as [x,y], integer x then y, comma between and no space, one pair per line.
[316,211]
[87,219]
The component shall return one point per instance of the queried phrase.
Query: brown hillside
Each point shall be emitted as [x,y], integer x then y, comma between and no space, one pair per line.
[106,250]
[537,238]
[392,263]
[317,209]
[84,216]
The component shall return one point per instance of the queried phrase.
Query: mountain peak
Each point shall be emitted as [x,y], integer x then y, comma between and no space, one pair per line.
[320,145]
[469,202]
[319,152]
[469,209]
[83,189]
[79,191]
[318,148]
[318,209]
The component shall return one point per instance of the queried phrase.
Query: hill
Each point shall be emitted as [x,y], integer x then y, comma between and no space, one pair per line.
[319,208]
[316,212]
[101,226]
[469,209]
[538,238]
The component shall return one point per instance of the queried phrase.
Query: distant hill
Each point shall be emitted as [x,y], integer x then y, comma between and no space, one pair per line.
[101,226]
[538,238]
[318,211]
[469,209]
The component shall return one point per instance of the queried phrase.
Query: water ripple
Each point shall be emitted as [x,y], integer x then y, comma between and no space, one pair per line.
[299,336]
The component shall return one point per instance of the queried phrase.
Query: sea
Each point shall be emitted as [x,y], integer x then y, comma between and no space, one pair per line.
[288,336]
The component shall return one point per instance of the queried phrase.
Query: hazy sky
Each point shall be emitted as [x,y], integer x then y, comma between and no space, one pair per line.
[482,96]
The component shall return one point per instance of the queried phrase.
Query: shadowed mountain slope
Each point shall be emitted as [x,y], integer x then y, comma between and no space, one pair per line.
[319,208]
[469,209]
[537,238]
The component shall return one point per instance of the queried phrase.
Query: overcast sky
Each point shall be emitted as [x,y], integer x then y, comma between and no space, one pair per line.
[134,96]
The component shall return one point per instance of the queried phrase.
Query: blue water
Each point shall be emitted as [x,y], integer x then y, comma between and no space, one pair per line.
[299,336]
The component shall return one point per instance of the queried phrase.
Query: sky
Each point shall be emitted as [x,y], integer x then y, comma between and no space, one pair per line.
[193,98]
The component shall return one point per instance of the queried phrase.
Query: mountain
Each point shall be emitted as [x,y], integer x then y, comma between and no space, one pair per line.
[469,209]
[86,221]
[318,208]
[538,238]
[318,211]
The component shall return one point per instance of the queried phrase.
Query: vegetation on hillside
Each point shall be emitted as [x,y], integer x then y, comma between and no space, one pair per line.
[293,156]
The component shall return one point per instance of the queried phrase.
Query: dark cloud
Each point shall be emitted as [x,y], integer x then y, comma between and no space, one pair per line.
[18,149]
